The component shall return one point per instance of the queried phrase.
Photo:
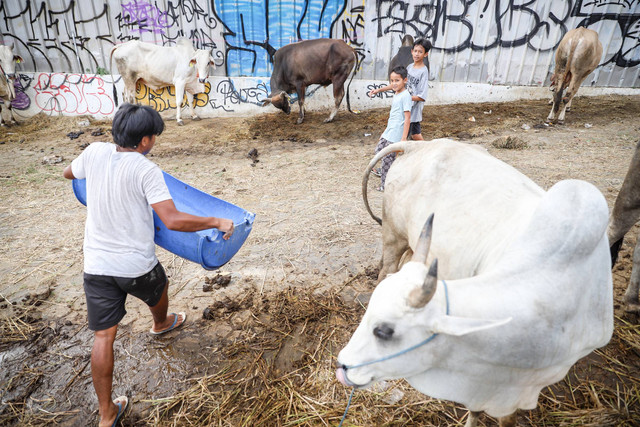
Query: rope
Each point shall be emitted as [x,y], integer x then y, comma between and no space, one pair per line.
[391,356]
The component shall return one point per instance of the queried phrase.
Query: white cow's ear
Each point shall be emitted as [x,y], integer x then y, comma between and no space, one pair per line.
[192,62]
[18,59]
[458,326]
[212,62]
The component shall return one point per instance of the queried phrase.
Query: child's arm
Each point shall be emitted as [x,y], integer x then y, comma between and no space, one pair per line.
[181,221]
[407,125]
[380,89]
[416,99]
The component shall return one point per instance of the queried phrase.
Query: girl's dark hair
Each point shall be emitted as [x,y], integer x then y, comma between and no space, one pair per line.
[426,44]
[132,122]
[401,70]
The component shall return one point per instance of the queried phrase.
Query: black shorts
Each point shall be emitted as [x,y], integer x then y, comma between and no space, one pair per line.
[415,128]
[106,295]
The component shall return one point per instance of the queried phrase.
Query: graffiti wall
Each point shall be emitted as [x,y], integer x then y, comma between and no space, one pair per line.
[66,44]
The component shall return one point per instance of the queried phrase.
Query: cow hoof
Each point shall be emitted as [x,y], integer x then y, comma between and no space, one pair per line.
[329,120]
[299,121]
[180,123]
[195,118]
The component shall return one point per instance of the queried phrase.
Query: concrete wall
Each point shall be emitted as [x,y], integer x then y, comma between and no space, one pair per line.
[483,49]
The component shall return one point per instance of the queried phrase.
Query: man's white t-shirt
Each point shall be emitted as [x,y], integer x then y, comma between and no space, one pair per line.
[121,187]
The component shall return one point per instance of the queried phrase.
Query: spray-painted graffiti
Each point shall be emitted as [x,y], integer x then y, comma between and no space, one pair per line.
[22,100]
[350,28]
[72,93]
[141,16]
[165,98]
[232,96]
[252,37]
[488,24]
[386,94]
[54,39]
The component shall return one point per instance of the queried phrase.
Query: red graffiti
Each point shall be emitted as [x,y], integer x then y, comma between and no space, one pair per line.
[73,94]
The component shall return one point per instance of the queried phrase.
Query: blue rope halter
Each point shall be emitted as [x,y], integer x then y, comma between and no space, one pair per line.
[391,356]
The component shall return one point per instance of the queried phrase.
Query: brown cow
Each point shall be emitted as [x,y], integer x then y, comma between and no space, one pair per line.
[319,61]
[577,56]
[626,212]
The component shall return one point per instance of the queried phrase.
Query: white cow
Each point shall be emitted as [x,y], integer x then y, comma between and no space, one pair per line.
[159,66]
[625,213]
[483,217]
[540,299]
[8,62]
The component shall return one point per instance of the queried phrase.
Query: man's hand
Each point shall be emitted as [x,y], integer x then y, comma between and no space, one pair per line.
[226,226]
[371,93]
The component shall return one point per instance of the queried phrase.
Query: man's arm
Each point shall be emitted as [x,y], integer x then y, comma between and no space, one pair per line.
[181,221]
[68,173]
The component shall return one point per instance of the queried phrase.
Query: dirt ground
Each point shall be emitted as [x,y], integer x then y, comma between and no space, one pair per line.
[261,349]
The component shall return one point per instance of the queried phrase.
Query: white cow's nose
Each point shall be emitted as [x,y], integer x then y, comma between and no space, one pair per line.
[202,80]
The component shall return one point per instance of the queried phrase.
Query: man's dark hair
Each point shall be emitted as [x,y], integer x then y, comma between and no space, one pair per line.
[132,122]
[426,44]
[401,70]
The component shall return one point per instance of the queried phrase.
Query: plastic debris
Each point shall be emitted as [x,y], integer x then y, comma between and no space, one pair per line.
[472,119]
[525,126]
[588,125]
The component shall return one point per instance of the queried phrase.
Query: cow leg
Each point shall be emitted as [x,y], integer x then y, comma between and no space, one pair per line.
[557,103]
[472,419]
[190,98]
[508,421]
[631,297]
[1,112]
[392,251]
[300,90]
[179,98]
[338,94]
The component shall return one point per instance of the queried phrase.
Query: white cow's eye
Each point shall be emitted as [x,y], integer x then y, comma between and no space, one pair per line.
[384,332]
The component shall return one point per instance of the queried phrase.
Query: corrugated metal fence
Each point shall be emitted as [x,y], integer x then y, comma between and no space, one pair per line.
[506,42]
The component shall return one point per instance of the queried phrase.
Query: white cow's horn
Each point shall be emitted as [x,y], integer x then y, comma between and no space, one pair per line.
[419,297]
[424,242]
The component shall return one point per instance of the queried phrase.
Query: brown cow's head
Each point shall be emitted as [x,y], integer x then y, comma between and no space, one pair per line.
[280,101]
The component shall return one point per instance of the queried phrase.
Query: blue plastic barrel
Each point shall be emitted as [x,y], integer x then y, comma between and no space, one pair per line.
[206,247]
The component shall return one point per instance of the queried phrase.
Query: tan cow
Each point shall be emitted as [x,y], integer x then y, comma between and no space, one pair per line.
[8,62]
[577,56]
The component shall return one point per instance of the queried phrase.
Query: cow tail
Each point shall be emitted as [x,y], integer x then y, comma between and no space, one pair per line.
[355,70]
[115,92]
[391,148]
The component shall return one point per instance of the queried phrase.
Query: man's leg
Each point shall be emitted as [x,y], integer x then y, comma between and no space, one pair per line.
[159,312]
[102,373]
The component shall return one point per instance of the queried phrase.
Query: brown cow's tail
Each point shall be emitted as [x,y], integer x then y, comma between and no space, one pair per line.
[115,92]
[353,73]
[392,148]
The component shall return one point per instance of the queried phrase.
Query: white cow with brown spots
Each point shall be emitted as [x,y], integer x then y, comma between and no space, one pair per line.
[577,56]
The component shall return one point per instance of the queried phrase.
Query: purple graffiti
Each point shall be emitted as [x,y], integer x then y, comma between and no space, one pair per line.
[22,101]
[145,16]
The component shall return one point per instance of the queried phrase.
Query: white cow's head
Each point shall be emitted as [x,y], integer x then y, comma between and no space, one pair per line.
[8,62]
[404,310]
[201,60]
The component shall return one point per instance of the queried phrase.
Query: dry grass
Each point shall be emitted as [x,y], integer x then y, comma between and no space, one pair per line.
[510,143]
[281,373]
